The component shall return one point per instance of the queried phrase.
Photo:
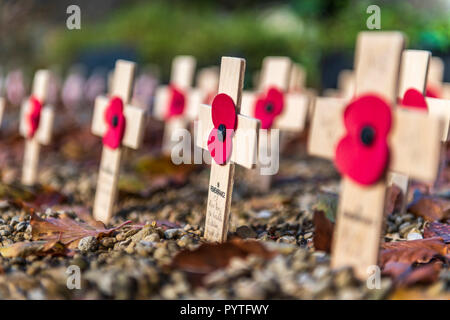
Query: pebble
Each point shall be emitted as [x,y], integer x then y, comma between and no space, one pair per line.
[287,239]
[245,232]
[22,226]
[86,244]
[414,236]
[264,214]
[154,237]
[172,233]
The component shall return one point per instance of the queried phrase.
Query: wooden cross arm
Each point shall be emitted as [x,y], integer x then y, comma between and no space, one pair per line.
[440,108]
[134,117]
[44,132]
[245,139]
[414,139]
[194,97]
[293,117]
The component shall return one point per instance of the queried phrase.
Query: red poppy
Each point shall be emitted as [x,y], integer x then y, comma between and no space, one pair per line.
[413,98]
[115,121]
[177,102]
[268,106]
[224,120]
[363,153]
[34,116]
[432,92]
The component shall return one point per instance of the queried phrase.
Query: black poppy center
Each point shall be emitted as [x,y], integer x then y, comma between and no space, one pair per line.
[367,135]
[115,121]
[221,132]
[269,107]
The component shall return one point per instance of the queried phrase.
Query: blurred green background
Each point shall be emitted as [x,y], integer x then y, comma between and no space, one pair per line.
[320,34]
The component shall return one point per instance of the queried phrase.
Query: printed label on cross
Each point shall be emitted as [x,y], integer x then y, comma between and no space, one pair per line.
[120,125]
[366,138]
[36,125]
[177,104]
[275,107]
[230,138]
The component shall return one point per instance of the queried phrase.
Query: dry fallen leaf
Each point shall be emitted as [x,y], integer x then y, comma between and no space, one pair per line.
[323,231]
[430,208]
[415,261]
[213,256]
[66,230]
[437,229]
[24,249]
[417,294]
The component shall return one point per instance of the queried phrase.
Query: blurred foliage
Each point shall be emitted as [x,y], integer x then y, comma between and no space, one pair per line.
[305,30]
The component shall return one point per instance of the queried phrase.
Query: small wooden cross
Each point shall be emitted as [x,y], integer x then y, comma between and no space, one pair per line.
[243,150]
[36,125]
[208,82]
[413,143]
[413,75]
[276,73]
[177,104]
[124,128]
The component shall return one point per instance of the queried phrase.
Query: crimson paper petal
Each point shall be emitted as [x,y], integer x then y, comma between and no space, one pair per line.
[413,98]
[268,106]
[365,162]
[223,111]
[115,121]
[34,116]
[177,102]
[220,151]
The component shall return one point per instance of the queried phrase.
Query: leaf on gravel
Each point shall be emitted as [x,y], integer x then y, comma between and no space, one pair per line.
[39,197]
[415,261]
[430,208]
[213,256]
[418,294]
[40,248]
[437,229]
[163,166]
[323,231]
[413,251]
[66,230]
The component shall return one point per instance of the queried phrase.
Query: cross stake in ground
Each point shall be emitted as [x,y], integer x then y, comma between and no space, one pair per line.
[177,104]
[276,108]
[120,125]
[2,108]
[231,138]
[36,125]
[413,81]
[366,138]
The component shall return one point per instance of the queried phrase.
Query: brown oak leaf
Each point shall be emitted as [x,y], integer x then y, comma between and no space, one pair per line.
[437,229]
[323,232]
[430,208]
[67,230]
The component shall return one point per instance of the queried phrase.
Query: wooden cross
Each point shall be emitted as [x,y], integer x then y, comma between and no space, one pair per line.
[208,82]
[108,176]
[244,143]
[276,72]
[41,115]
[183,69]
[413,75]
[413,143]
